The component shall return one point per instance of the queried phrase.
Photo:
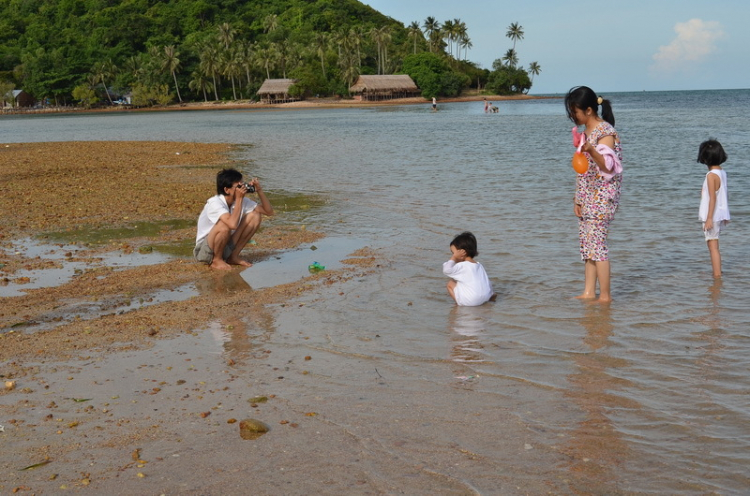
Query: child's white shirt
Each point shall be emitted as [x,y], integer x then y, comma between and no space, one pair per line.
[473,287]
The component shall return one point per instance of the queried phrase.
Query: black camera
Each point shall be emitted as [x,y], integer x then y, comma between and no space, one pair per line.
[249,187]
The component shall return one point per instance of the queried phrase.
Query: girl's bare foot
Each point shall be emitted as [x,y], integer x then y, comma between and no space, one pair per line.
[586,296]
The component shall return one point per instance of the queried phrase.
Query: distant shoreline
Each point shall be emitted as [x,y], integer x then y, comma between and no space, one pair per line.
[301,104]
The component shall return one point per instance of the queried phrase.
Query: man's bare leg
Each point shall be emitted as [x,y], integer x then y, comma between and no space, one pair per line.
[242,236]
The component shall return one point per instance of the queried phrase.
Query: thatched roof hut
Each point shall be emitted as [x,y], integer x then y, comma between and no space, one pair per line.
[385,87]
[276,91]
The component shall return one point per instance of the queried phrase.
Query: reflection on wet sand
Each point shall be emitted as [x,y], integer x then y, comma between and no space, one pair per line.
[467,324]
[235,330]
[596,449]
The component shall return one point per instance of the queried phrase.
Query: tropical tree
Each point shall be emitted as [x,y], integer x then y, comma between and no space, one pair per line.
[230,67]
[515,33]
[534,70]
[270,23]
[209,65]
[199,82]
[320,42]
[266,57]
[171,63]
[381,37]
[226,34]
[510,57]
[431,27]
[103,71]
[465,43]
[449,33]
[415,33]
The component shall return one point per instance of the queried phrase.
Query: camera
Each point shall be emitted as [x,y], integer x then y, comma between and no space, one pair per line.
[249,187]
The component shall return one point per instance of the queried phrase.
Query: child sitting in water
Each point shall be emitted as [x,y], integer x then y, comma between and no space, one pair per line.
[469,285]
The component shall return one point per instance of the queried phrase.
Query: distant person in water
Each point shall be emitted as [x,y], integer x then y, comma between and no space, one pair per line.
[714,208]
[469,285]
[486,106]
[434,104]
[229,220]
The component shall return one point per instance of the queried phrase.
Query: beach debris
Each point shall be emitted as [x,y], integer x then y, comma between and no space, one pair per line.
[36,465]
[316,267]
[2,428]
[205,414]
[252,429]
[313,247]
[10,385]
[80,400]
[258,399]
[466,377]
[146,249]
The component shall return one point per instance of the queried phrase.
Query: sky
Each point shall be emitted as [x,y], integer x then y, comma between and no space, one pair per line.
[631,45]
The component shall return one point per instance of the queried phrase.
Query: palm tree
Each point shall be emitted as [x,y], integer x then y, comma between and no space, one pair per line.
[431,26]
[381,37]
[199,82]
[171,62]
[266,57]
[320,41]
[534,69]
[449,33]
[230,67]
[209,64]
[226,34]
[510,57]
[415,33]
[270,23]
[102,72]
[515,33]
[465,43]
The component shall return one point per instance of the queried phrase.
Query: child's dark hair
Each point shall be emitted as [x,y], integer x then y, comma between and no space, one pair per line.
[226,178]
[711,153]
[467,242]
[583,97]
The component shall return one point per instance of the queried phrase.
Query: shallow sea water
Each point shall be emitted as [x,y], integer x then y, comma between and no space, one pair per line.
[649,394]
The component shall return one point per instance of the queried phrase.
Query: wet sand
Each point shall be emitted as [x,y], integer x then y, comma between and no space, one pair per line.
[55,352]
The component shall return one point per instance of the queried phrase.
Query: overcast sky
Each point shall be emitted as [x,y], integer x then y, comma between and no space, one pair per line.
[610,46]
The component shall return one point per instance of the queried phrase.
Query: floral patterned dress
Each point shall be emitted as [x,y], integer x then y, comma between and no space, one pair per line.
[599,198]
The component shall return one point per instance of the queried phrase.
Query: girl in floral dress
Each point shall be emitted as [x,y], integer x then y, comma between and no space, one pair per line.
[598,189]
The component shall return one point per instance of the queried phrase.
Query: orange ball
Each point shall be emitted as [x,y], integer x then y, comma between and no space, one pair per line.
[580,163]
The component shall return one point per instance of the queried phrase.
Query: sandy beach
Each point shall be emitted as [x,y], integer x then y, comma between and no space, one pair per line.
[56,337]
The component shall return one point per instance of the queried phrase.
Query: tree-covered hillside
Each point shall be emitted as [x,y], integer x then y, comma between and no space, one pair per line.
[181,50]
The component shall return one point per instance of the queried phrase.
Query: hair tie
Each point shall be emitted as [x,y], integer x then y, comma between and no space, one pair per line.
[599,100]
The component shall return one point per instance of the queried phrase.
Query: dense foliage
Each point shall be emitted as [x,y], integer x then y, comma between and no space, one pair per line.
[175,50]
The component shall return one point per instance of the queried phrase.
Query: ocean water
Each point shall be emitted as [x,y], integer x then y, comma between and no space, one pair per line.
[648,394]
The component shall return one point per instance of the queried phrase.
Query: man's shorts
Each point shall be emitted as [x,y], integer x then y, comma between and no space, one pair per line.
[715,230]
[203,253]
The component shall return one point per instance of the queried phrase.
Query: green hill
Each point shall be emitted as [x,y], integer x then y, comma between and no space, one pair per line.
[181,50]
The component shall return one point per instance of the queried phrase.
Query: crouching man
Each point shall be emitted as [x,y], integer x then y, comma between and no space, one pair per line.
[229,220]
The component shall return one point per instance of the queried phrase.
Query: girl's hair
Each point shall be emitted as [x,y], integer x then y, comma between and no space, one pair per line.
[711,153]
[466,241]
[583,97]
[226,178]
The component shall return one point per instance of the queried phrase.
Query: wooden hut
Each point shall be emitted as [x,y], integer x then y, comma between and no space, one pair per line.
[20,99]
[384,87]
[276,91]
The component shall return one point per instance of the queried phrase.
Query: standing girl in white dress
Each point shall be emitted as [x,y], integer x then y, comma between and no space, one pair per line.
[714,208]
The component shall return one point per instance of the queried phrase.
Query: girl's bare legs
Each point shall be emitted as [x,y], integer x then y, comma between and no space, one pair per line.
[713,249]
[451,285]
[602,273]
[589,287]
